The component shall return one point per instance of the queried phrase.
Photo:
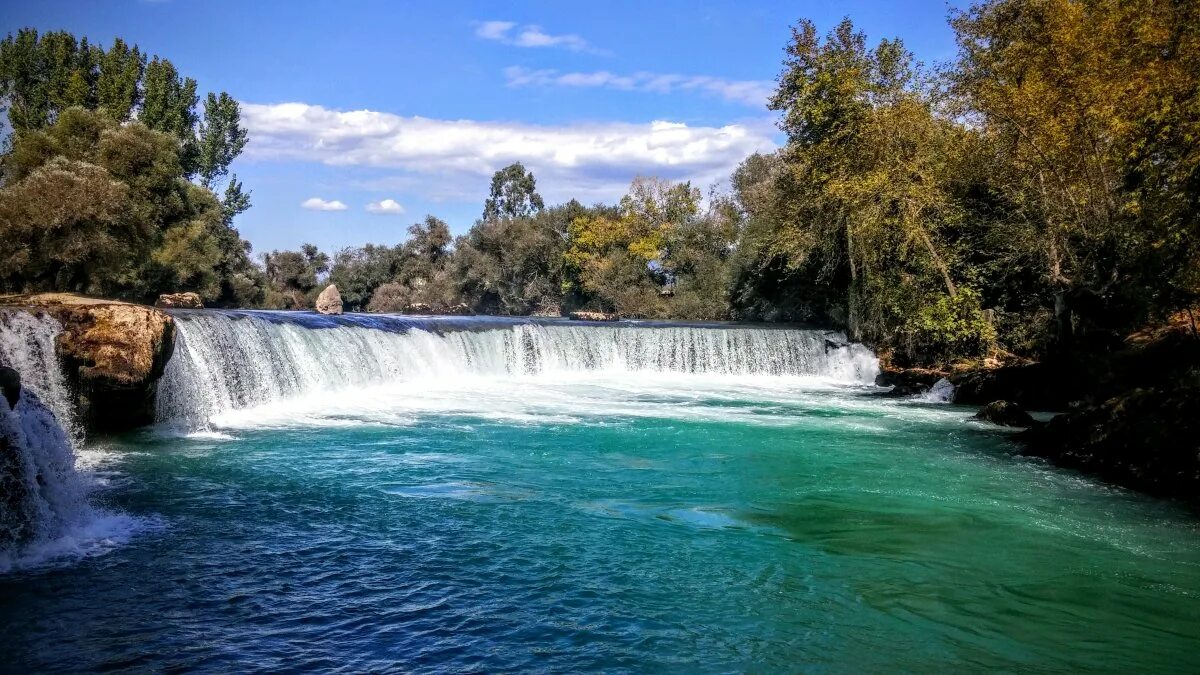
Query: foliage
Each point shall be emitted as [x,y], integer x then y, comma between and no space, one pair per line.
[513,194]
[952,327]
[104,144]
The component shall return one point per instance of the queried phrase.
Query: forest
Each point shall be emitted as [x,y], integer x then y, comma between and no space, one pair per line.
[1038,194]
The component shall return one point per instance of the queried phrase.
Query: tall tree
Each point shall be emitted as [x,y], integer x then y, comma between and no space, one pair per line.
[117,86]
[513,194]
[221,138]
[169,102]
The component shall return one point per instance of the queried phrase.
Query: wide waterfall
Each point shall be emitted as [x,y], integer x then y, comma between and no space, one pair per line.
[225,360]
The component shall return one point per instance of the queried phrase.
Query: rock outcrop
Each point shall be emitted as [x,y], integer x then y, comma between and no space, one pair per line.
[329,301]
[906,382]
[593,316]
[1145,439]
[113,354]
[1006,414]
[179,301]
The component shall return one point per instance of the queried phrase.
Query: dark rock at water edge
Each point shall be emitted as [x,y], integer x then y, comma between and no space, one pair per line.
[907,381]
[1036,386]
[10,385]
[1005,414]
[1145,439]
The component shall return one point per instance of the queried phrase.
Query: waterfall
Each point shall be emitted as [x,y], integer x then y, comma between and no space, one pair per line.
[42,498]
[27,346]
[226,360]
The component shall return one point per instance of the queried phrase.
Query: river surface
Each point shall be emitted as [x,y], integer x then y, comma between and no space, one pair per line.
[601,520]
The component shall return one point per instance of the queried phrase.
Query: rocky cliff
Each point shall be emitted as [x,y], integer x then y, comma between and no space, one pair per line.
[113,354]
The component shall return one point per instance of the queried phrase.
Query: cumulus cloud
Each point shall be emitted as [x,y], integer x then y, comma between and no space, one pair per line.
[318,204]
[443,157]
[747,92]
[508,33]
[386,207]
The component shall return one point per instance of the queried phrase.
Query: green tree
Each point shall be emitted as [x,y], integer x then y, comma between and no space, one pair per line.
[513,194]
[117,86]
[221,138]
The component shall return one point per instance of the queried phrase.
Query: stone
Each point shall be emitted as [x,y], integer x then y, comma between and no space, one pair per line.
[329,301]
[187,300]
[593,316]
[1145,439]
[906,382]
[417,308]
[1006,414]
[112,352]
[10,385]
[461,309]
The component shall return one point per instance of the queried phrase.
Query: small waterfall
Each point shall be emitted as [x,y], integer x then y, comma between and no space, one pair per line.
[27,346]
[42,498]
[227,360]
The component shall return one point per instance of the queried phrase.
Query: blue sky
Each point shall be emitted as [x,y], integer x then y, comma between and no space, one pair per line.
[365,116]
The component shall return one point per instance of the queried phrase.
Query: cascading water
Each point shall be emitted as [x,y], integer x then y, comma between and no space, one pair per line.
[228,360]
[44,512]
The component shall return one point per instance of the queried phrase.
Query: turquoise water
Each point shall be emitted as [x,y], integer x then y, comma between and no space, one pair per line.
[609,522]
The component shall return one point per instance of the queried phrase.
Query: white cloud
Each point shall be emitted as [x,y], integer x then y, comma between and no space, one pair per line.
[389,207]
[454,158]
[747,92]
[531,36]
[318,204]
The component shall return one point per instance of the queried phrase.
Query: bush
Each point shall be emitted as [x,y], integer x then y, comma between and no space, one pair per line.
[950,328]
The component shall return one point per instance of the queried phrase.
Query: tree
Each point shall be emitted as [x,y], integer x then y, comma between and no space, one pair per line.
[169,104]
[117,87]
[513,194]
[293,276]
[221,138]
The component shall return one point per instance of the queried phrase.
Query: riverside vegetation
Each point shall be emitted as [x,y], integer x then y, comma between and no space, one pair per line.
[1034,200]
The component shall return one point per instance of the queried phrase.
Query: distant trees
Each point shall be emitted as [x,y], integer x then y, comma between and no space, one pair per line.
[116,139]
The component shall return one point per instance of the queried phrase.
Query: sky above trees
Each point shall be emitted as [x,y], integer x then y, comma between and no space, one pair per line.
[363,116]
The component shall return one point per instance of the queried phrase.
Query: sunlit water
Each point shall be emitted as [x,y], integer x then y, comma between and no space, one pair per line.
[606,521]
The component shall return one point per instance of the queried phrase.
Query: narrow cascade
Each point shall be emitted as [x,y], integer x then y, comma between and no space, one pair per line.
[27,345]
[42,498]
[227,360]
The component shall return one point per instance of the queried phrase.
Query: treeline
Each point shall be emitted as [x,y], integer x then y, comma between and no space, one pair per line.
[1037,196]
[109,177]
[656,254]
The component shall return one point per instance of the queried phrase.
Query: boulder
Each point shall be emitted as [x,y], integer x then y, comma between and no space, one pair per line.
[1005,414]
[10,385]
[1146,439]
[329,301]
[179,301]
[593,316]
[906,382]
[1037,386]
[461,309]
[113,354]
[417,308]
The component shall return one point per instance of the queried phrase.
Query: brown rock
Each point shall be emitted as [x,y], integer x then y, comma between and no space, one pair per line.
[179,301]
[460,309]
[329,301]
[112,352]
[593,316]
